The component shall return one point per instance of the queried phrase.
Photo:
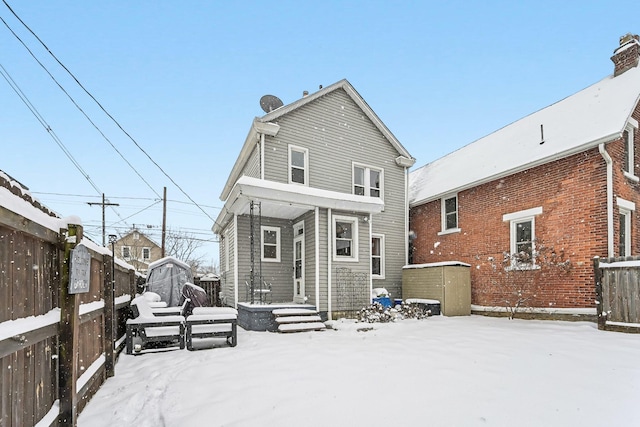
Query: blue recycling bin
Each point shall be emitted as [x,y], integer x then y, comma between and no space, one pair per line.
[384,301]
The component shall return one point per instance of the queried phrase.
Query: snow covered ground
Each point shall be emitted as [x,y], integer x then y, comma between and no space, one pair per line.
[441,371]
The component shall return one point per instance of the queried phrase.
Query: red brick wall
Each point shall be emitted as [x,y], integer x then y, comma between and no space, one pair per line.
[572,194]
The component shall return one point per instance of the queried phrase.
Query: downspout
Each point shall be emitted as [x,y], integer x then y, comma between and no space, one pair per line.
[329,266]
[235,258]
[317,240]
[406,216]
[370,258]
[262,156]
[609,162]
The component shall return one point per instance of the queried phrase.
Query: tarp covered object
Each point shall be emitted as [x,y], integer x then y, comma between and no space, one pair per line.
[166,277]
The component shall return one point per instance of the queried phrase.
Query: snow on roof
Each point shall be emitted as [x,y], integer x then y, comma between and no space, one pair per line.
[581,121]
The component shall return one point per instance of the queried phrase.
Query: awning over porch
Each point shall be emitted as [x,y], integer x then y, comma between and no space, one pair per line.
[289,201]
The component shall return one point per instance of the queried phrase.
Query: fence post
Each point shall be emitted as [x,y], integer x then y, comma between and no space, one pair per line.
[597,273]
[68,337]
[109,280]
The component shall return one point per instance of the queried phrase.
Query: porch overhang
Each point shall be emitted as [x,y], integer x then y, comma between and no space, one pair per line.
[289,201]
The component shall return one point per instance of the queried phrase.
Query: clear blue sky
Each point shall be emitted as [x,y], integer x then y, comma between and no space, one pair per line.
[184,80]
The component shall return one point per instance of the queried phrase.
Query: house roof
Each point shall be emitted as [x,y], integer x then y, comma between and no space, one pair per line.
[597,114]
[264,125]
[289,200]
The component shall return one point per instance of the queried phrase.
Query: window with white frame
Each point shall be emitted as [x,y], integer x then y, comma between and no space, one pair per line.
[146,253]
[449,214]
[625,209]
[367,181]
[126,252]
[629,150]
[377,256]
[298,165]
[522,229]
[345,233]
[270,243]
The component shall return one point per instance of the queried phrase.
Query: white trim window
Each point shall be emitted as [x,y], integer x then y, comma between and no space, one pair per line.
[367,181]
[449,214]
[298,165]
[522,230]
[629,150]
[146,254]
[227,249]
[625,209]
[270,247]
[345,238]
[126,252]
[377,256]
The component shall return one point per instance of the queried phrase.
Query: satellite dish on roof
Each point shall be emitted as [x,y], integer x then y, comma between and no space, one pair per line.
[269,103]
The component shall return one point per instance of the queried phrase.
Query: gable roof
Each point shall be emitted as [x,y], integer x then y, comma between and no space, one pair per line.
[264,125]
[597,114]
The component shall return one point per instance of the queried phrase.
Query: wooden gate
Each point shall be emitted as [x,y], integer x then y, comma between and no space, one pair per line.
[618,293]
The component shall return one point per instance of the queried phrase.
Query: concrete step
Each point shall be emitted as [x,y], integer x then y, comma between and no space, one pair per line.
[292,312]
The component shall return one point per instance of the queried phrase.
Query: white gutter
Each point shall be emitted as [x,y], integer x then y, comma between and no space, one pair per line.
[608,161]
[317,243]
[329,266]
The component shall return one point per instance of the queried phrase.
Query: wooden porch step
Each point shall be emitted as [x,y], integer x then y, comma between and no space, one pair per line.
[301,327]
[298,319]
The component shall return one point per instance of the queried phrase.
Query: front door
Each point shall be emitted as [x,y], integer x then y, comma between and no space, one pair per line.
[298,269]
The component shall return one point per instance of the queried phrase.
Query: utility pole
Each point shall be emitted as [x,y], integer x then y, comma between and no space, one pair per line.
[164,220]
[104,203]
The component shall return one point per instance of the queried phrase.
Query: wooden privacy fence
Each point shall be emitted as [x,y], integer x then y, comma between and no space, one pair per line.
[618,293]
[56,348]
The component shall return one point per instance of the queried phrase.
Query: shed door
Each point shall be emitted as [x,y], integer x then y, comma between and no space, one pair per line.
[298,269]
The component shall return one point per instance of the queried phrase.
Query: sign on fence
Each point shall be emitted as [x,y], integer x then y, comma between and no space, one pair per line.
[80,270]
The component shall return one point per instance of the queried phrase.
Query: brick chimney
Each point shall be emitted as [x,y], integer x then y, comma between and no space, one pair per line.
[626,56]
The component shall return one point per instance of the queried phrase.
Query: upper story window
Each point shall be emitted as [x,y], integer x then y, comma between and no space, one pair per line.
[629,151]
[146,253]
[522,230]
[625,208]
[367,181]
[449,214]
[377,256]
[126,252]
[298,165]
[345,232]
[270,243]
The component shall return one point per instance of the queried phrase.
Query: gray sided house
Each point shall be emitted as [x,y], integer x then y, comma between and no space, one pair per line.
[315,208]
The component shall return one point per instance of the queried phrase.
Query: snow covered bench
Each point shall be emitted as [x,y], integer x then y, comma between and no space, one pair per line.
[149,327]
[212,322]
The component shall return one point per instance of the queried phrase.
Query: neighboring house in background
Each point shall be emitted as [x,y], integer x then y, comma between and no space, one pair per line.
[563,182]
[137,249]
[328,184]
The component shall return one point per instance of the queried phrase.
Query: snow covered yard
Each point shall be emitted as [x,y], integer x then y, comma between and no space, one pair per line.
[441,371]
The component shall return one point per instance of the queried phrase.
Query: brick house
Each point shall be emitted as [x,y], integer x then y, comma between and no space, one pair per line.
[530,205]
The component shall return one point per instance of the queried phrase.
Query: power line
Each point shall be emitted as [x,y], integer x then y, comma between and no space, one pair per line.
[44,124]
[66,93]
[106,112]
